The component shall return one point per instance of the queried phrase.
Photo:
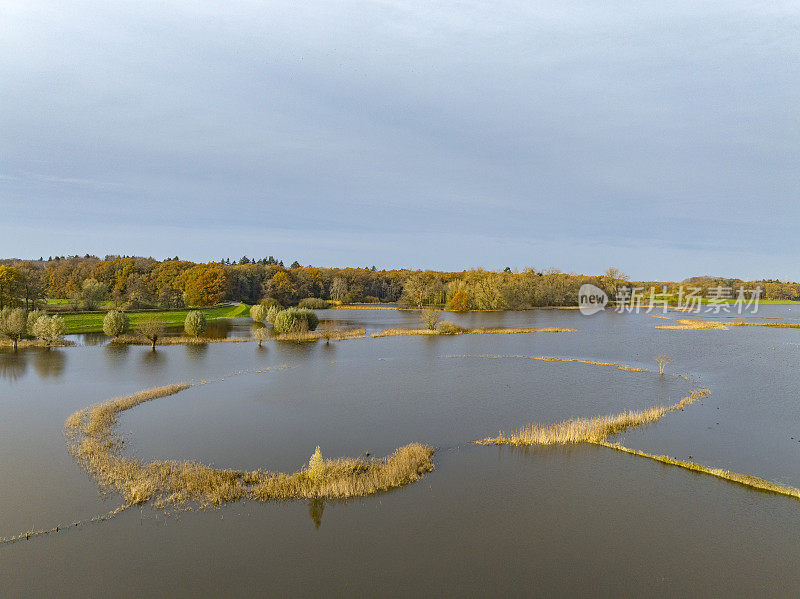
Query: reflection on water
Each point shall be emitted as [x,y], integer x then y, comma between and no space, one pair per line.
[154,360]
[91,339]
[315,508]
[115,353]
[219,329]
[12,365]
[197,353]
[49,363]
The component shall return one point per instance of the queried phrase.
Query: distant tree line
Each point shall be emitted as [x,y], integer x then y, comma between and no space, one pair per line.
[129,282]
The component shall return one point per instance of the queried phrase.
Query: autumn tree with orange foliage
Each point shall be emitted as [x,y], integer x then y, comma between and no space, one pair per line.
[204,285]
[280,287]
[459,302]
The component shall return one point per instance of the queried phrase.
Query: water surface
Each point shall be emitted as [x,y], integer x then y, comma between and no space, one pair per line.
[582,521]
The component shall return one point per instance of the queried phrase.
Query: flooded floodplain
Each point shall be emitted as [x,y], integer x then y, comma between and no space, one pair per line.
[568,519]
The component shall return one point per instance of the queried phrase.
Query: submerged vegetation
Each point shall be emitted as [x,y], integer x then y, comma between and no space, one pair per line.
[690,324]
[597,430]
[93,441]
[754,482]
[456,330]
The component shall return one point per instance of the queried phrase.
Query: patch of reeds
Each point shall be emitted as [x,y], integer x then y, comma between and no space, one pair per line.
[93,441]
[589,430]
[777,325]
[36,343]
[177,340]
[394,332]
[690,324]
[328,334]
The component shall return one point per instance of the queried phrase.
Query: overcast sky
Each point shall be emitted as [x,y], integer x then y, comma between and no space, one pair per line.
[659,137]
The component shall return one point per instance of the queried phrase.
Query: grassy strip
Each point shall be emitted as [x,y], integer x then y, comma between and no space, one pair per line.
[618,366]
[777,325]
[746,480]
[92,440]
[35,343]
[479,331]
[690,324]
[93,323]
[334,335]
[136,340]
[588,430]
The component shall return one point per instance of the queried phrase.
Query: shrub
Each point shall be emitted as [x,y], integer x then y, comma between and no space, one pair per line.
[316,466]
[195,323]
[371,299]
[152,328]
[313,303]
[272,312]
[49,329]
[13,324]
[33,316]
[449,328]
[269,302]
[115,323]
[662,360]
[295,320]
[258,313]
[430,318]
[261,334]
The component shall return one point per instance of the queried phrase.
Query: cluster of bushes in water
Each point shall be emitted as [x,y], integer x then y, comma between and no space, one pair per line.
[285,320]
[17,324]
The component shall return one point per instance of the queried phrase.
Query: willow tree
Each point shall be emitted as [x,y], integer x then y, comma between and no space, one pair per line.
[152,328]
[195,323]
[13,324]
[115,323]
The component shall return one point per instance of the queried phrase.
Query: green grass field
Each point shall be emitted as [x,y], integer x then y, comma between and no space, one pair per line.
[93,323]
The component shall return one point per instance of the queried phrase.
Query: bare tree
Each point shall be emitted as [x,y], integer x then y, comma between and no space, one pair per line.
[662,360]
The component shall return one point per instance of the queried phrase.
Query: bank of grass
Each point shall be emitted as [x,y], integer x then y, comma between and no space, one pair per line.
[776,325]
[331,335]
[93,322]
[690,324]
[177,340]
[92,440]
[589,430]
[35,343]
[394,332]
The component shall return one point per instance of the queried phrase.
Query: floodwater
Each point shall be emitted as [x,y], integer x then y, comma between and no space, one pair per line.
[578,521]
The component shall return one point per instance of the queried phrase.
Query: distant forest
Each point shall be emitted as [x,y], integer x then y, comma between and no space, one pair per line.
[89,282]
